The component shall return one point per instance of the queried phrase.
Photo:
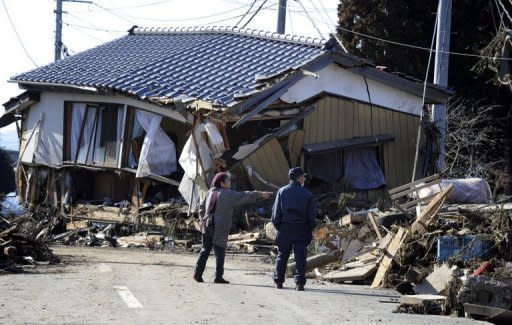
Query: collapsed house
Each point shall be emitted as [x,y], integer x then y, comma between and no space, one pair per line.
[153,115]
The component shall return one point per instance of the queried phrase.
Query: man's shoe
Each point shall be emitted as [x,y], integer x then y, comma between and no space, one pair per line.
[299,287]
[198,278]
[221,280]
[279,285]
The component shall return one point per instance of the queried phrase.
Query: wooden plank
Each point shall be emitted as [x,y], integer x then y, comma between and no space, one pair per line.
[350,219]
[389,255]
[419,299]
[315,261]
[498,315]
[411,185]
[356,274]
[374,225]
[414,189]
[426,216]
[295,143]
[413,203]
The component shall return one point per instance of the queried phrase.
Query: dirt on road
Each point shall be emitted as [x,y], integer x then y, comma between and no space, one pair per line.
[135,286]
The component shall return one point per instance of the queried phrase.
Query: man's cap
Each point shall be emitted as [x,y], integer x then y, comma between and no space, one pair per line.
[295,173]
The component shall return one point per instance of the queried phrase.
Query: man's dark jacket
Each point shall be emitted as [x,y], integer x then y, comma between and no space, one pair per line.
[294,204]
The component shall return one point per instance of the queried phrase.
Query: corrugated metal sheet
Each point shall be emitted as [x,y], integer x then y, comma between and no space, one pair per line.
[271,163]
[338,118]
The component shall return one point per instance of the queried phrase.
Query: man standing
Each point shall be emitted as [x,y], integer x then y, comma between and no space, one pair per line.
[293,215]
[216,212]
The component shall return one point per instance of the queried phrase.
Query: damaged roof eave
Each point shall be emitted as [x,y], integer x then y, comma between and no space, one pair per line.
[434,94]
[16,105]
[177,112]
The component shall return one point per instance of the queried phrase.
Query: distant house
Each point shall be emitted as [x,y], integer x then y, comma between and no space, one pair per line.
[160,110]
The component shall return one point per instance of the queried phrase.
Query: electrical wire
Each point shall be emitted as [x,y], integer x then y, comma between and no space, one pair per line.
[183,19]
[255,13]
[18,35]
[505,11]
[423,48]
[95,28]
[326,12]
[418,137]
[246,13]
[320,13]
[155,3]
[310,19]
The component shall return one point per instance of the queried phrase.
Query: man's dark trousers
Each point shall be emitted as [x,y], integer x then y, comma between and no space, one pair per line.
[298,237]
[220,254]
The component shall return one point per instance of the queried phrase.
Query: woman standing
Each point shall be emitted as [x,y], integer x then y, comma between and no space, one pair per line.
[216,213]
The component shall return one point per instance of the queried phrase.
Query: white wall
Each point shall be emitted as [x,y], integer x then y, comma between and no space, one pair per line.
[342,82]
[51,110]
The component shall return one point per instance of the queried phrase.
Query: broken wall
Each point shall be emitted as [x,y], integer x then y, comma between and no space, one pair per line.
[338,118]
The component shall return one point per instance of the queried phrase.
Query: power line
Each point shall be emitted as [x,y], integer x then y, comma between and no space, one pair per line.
[17,35]
[155,3]
[319,12]
[505,11]
[423,48]
[310,19]
[95,28]
[246,13]
[326,12]
[176,20]
[255,13]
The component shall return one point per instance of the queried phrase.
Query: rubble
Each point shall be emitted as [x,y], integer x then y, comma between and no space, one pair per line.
[434,248]
[24,241]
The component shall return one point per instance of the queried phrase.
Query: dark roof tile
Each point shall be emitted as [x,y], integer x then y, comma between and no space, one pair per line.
[208,63]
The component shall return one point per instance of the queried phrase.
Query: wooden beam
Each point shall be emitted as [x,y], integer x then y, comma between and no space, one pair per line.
[389,255]
[426,216]
[374,225]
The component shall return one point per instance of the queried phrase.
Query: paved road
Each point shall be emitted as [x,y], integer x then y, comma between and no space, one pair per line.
[128,286]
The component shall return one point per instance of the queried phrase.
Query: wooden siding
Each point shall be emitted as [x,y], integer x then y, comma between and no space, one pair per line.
[337,118]
[270,162]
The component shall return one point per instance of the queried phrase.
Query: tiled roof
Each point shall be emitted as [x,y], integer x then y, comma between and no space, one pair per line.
[213,64]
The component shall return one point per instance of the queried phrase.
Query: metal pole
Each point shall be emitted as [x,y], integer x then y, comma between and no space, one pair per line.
[281,17]
[441,73]
[58,30]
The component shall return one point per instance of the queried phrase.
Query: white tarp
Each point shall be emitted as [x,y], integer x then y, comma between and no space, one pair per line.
[215,139]
[188,158]
[190,190]
[362,170]
[466,191]
[158,153]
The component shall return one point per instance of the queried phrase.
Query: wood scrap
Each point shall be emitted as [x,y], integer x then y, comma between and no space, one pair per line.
[374,225]
[313,262]
[389,254]
[355,274]
[427,215]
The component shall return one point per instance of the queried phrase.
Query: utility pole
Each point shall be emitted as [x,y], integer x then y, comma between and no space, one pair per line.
[58,26]
[444,12]
[58,31]
[281,17]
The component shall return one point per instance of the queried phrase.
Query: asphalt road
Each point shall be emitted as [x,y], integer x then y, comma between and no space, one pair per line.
[132,286]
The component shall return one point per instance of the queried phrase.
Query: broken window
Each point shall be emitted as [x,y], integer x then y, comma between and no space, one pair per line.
[95,134]
[150,150]
[355,162]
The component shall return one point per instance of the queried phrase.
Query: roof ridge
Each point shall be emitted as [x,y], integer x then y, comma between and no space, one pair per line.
[290,38]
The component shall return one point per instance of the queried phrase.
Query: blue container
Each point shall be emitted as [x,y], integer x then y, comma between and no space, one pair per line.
[466,247]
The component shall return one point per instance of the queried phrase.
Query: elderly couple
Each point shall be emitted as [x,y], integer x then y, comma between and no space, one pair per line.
[293,215]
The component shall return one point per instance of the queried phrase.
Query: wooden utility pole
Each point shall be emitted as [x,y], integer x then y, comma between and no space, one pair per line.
[444,12]
[58,26]
[281,17]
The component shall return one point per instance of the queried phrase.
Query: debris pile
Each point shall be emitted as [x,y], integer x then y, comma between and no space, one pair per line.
[24,241]
[443,255]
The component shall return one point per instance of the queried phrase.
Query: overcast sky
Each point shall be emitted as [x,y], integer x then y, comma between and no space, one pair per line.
[88,25]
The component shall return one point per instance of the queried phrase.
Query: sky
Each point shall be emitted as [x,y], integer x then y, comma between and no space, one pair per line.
[89,25]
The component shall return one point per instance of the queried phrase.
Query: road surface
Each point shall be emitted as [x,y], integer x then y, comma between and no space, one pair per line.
[135,286]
